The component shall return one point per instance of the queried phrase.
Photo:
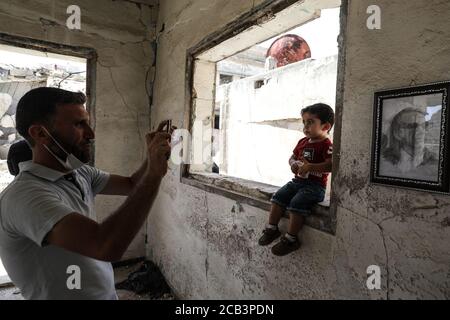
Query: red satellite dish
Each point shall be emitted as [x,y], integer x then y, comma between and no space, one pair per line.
[288,49]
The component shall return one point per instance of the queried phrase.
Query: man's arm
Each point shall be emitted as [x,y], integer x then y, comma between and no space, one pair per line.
[108,240]
[122,186]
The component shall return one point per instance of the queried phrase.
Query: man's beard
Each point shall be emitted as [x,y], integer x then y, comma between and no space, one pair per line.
[414,145]
[82,153]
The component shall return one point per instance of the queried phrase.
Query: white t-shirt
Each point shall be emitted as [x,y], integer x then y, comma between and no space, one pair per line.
[30,206]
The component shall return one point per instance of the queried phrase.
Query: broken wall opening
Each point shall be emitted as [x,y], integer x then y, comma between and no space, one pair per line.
[260,111]
[242,143]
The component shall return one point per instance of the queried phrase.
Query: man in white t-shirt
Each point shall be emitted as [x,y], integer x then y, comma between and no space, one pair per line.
[50,243]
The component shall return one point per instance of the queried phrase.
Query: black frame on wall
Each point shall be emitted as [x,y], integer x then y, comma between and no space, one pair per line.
[404,149]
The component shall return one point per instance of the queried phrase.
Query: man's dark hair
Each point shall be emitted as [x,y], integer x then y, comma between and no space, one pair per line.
[322,111]
[39,106]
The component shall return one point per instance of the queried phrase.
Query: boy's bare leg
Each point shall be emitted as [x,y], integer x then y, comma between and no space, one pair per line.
[296,222]
[276,212]
[271,231]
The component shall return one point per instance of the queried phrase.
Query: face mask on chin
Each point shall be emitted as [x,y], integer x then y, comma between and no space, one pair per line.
[71,163]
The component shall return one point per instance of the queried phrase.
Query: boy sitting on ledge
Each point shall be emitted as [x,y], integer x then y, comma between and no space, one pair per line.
[311,163]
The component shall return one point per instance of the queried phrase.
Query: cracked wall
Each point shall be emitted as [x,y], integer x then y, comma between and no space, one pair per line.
[122,33]
[206,244]
[412,47]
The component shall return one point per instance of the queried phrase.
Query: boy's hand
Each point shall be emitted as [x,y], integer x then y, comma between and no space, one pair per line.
[305,168]
[295,166]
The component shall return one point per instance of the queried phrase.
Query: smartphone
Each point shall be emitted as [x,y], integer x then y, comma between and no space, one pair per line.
[169,126]
[168,129]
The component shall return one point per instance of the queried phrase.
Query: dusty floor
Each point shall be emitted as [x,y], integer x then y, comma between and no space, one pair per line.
[120,274]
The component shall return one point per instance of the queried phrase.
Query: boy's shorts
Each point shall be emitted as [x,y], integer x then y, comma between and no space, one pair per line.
[299,196]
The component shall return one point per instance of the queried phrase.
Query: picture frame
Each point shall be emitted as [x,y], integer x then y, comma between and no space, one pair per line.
[410,141]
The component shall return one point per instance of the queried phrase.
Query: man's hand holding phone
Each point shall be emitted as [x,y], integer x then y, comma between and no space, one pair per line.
[158,147]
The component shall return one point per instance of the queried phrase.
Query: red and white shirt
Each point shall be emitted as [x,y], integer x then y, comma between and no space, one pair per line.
[314,152]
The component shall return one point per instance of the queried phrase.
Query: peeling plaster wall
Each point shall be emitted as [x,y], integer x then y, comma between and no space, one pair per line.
[206,244]
[122,32]
[409,229]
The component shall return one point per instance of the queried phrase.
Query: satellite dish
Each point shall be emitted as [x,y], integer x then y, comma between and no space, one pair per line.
[288,49]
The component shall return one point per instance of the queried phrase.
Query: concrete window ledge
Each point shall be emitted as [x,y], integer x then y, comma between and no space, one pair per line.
[5,281]
[255,194]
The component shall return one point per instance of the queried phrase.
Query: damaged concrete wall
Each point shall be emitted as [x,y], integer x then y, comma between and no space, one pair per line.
[206,244]
[409,229]
[122,33]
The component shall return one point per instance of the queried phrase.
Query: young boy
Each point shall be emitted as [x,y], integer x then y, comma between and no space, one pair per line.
[311,163]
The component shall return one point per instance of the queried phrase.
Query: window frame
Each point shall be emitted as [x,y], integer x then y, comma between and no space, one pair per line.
[241,190]
[89,54]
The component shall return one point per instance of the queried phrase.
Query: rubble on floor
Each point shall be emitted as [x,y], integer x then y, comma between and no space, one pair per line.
[146,282]
[139,281]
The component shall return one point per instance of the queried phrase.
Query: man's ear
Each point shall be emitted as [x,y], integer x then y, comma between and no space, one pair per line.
[37,133]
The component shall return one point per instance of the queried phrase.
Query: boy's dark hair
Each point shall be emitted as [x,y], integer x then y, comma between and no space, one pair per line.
[39,106]
[322,111]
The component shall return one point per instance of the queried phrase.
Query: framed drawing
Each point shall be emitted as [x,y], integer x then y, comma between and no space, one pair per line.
[410,144]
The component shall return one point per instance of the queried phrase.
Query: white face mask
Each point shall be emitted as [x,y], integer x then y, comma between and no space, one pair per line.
[71,163]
